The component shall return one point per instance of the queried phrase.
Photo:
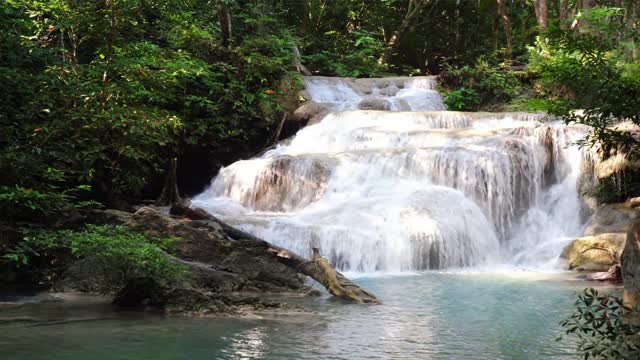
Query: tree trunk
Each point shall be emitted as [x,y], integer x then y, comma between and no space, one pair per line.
[105,74]
[587,4]
[631,21]
[170,194]
[408,23]
[563,13]
[506,25]
[630,15]
[318,268]
[224,18]
[582,4]
[540,7]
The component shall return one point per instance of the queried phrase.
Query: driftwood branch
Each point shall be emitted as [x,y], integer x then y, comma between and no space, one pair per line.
[318,268]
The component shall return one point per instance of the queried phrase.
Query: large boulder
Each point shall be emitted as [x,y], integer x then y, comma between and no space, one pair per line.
[594,253]
[240,266]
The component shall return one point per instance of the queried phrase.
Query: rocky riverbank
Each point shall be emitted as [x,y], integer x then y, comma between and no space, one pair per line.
[224,276]
[220,269]
[600,249]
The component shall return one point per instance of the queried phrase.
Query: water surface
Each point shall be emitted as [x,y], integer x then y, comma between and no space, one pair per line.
[432,315]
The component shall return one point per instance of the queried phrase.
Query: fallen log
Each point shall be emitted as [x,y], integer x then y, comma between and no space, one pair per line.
[318,268]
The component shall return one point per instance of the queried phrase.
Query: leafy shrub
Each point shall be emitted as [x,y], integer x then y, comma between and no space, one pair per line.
[19,203]
[118,255]
[600,322]
[491,84]
[462,100]
[356,56]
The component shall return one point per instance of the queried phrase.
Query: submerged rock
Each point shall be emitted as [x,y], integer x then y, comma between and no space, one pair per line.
[146,294]
[191,302]
[594,253]
[374,104]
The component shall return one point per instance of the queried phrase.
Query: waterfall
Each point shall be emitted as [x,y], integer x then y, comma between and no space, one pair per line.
[410,188]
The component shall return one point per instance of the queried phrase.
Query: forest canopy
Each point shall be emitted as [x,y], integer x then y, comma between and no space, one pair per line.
[98,96]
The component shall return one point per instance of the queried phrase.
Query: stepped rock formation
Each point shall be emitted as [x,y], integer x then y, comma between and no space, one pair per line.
[411,187]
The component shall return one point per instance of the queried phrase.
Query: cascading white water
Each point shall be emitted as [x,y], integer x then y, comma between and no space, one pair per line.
[409,190]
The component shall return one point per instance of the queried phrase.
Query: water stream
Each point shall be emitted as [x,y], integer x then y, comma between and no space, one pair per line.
[412,187]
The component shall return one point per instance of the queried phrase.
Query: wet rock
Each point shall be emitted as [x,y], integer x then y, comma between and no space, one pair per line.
[611,218]
[289,183]
[374,104]
[233,264]
[86,275]
[402,105]
[389,91]
[146,294]
[194,302]
[594,253]
[309,113]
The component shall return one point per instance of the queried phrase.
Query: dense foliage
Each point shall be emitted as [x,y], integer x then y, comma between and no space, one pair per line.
[482,85]
[116,255]
[103,93]
[602,326]
[596,69]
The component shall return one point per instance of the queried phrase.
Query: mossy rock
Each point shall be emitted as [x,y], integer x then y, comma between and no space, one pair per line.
[594,253]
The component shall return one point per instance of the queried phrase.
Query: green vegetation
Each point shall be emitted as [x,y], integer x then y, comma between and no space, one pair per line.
[486,84]
[596,69]
[103,93]
[117,256]
[600,322]
[98,96]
